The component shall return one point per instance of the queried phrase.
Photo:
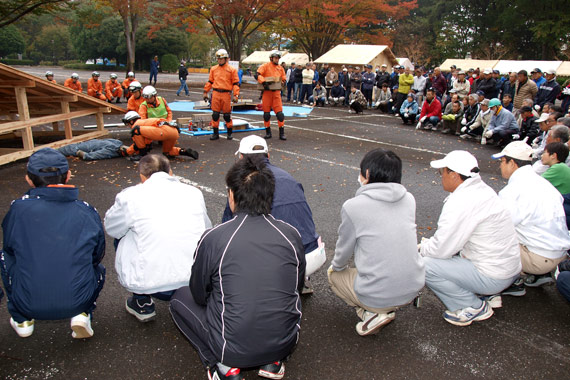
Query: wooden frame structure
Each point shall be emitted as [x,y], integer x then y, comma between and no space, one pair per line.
[29,101]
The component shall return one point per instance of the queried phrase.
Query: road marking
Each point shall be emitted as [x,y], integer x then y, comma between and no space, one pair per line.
[201,187]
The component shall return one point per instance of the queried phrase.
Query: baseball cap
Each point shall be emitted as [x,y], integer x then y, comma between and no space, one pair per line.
[252,144]
[551,72]
[537,70]
[519,150]
[461,72]
[47,162]
[345,69]
[480,92]
[542,118]
[357,68]
[487,71]
[384,65]
[460,161]
[496,72]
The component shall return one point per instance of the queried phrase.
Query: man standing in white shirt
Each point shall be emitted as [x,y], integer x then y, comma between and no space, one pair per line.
[538,215]
[159,223]
[474,250]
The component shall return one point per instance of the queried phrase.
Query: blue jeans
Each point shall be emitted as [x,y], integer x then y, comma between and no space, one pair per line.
[290,89]
[153,74]
[94,149]
[458,284]
[305,91]
[433,120]
[297,90]
[563,284]
[183,86]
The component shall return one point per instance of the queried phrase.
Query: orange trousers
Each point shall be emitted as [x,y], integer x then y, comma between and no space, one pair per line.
[168,135]
[117,94]
[272,100]
[93,93]
[222,102]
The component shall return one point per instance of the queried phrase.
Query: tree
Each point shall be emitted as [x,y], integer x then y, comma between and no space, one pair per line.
[53,44]
[318,25]
[232,21]
[13,10]
[11,41]
[167,40]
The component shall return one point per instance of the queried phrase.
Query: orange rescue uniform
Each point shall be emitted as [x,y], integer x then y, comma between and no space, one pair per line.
[73,85]
[271,98]
[113,89]
[95,89]
[135,104]
[143,109]
[151,130]
[223,80]
[126,83]
[52,81]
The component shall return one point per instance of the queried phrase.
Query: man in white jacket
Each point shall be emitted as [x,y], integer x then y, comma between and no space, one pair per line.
[474,251]
[159,223]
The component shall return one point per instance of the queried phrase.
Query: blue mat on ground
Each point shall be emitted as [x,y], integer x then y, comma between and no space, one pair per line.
[290,111]
[223,130]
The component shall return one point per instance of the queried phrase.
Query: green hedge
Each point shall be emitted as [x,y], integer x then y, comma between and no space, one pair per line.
[169,63]
[84,66]
[25,62]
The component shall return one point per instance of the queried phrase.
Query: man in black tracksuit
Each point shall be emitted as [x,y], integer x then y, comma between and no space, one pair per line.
[242,308]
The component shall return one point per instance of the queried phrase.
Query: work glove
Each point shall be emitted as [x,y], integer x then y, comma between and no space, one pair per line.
[464,121]
[265,85]
[516,136]
[566,91]
[135,131]
[488,134]
[419,125]
[423,119]
[406,114]
[206,99]
[235,99]
[464,129]
[537,107]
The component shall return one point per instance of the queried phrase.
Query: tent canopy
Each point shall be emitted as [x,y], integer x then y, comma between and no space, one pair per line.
[506,66]
[564,69]
[259,57]
[466,64]
[298,58]
[406,63]
[359,55]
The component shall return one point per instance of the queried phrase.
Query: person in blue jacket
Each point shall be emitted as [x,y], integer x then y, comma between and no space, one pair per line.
[52,250]
[409,109]
[154,66]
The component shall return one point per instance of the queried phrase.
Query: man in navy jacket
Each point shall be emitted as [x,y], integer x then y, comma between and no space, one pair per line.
[52,251]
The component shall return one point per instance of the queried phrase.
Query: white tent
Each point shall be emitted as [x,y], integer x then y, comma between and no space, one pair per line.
[466,64]
[358,55]
[259,57]
[506,66]
[406,63]
[299,59]
[564,69]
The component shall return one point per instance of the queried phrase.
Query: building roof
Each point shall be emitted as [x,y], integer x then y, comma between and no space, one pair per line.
[356,54]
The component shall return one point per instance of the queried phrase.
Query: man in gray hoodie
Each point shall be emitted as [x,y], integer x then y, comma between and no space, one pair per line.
[378,226]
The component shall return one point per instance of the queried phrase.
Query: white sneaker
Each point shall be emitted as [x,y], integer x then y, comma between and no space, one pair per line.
[495,301]
[81,326]
[464,317]
[483,141]
[24,329]
[373,322]
[351,111]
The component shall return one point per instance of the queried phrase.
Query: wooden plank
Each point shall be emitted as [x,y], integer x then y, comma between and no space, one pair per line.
[21,124]
[24,112]
[44,99]
[11,157]
[55,126]
[66,122]
[17,83]
[99,121]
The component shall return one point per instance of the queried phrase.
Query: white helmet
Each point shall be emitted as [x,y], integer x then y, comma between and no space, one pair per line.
[135,86]
[95,74]
[275,53]
[222,53]
[113,76]
[75,76]
[131,115]
[49,73]
[131,74]
[149,91]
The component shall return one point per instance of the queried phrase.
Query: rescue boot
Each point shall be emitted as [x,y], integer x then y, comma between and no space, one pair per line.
[118,101]
[229,135]
[267,133]
[189,152]
[282,134]
[216,134]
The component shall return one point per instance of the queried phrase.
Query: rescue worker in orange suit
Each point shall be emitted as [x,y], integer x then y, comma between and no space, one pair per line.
[136,99]
[73,82]
[154,106]
[145,131]
[49,77]
[95,87]
[113,89]
[223,80]
[272,98]
[126,83]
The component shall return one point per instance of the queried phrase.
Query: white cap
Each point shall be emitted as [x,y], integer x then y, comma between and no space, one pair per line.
[384,65]
[252,144]
[542,118]
[551,72]
[460,161]
[487,71]
[519,150]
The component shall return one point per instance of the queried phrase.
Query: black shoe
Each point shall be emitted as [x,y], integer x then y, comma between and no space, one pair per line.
[516,289]
[118,101]
[229,135]
[275,370]
[232,374]
[177,94]
[282,134]
[190,153]
[216,134]
[267,133]
[143,309]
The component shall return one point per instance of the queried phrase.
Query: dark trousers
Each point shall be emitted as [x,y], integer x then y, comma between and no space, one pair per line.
[346,95]
[190,319]
[367,92]
[163,296]
[153,74]
[290,89]
[503,137]
[401,98]
[19,317]
[411,118]
[357,107]
[563,284]
[306,91]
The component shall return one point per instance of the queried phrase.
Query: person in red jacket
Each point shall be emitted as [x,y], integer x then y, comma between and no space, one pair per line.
[223,80]
[431,112]
[272,98]
[95,87]
[113,89]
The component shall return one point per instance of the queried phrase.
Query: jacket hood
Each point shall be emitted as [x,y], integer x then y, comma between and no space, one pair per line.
[386,192]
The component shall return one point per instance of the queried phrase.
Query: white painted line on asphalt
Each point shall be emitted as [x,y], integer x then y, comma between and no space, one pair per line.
[201,187]
[315,158]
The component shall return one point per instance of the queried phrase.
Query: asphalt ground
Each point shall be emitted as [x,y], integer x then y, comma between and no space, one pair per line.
[527,338]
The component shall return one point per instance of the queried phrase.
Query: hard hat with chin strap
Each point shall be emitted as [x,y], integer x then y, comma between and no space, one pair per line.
[222,53]
[149,91]
[135,86]
[131,115]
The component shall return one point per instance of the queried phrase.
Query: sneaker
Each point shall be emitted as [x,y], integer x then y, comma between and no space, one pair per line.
[80,154]
[516,289]
[536,280]
[445,131]
[351,111]
[483,140]
[190,153]
[466,136]
[81,326]
[24,329]
[495,301]
[144,312]
[464,317]
[232,374]
[373,322]
[434,128]
[307,287]
[275,370]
